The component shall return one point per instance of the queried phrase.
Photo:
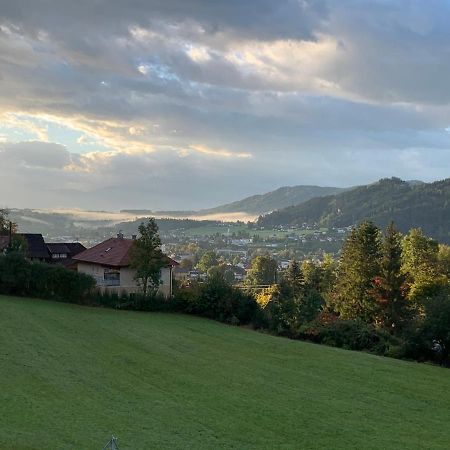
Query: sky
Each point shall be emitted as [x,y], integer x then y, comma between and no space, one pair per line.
[185,104]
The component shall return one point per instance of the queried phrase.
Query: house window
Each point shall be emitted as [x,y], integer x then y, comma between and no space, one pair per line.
[59,255]
[111,277]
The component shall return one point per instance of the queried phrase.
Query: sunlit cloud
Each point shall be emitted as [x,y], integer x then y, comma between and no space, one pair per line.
[221,152]
[245,98]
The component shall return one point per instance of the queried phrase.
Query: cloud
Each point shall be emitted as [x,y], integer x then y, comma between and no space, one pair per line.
[245,96]
[35,155]
[46,175]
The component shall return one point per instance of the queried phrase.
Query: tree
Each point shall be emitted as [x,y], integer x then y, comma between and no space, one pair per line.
[263,270]
[444,260]
[359,266]
[186,263]
[209,259]
[435,328]
[147,258]
[328,277]
[420,263]
[389,285]
[294,277]
[312,274]
[419,256]
[5,224]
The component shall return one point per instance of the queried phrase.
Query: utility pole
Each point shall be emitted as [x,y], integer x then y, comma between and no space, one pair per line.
[10,236]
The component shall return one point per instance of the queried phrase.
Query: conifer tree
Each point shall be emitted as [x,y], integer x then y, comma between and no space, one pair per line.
[359,266]
[389,285]
[294,278]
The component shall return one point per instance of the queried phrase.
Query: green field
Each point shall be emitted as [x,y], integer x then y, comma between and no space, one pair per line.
[71,376]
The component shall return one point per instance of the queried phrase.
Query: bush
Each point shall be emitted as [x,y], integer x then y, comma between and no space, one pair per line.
[21,277]
[428,338]
[15,273]
[133,302]
[218,300]
[351,335]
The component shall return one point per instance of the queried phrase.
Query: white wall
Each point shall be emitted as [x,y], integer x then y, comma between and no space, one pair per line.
[127,281]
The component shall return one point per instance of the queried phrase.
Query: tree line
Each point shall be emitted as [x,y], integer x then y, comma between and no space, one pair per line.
[388,293]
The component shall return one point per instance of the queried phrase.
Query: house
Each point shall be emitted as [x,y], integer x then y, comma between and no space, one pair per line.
[239,272]
[181,273]
[36,248]
[109,264]
[63,253]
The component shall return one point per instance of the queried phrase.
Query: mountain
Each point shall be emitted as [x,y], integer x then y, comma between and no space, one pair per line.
[280,198]
[424,205]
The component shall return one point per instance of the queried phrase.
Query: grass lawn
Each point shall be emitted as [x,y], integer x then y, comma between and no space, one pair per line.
[71,376]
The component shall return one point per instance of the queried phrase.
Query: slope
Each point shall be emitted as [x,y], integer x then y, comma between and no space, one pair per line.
[72,376]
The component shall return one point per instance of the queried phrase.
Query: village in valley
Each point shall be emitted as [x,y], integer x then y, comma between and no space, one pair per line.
[233,244]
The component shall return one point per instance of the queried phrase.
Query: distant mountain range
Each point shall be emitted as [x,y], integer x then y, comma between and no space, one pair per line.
[255,204]
[280,198]
[408,204]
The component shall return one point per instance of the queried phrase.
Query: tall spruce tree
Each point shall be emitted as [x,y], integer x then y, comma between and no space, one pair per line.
[294,278]
[359,266]
[389,285]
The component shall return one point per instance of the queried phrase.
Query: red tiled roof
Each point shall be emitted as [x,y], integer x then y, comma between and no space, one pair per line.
[113,252]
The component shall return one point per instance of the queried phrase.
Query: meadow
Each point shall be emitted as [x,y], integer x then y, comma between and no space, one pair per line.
[71,376]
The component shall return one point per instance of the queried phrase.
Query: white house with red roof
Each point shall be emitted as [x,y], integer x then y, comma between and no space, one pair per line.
[109,264]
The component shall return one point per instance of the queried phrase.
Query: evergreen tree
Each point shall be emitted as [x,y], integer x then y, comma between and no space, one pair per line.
[328,277]
[389,285]
[359,266]
[294,278]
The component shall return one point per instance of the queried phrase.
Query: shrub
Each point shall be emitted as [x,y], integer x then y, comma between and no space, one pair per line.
[216,299]
[351,335]
[19,276]
[14,274]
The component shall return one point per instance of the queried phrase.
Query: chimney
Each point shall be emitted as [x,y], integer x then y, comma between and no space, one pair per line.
[120,235]
[133,236]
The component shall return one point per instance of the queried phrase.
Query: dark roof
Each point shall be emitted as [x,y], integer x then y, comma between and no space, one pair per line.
[113,252]
[36,247]
[57,248]
[75,248]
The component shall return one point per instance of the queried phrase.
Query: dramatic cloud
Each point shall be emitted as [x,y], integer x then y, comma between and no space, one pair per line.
[189,103]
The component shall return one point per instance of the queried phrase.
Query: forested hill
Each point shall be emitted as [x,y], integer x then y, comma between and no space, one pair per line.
[280,198]
[425,205]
